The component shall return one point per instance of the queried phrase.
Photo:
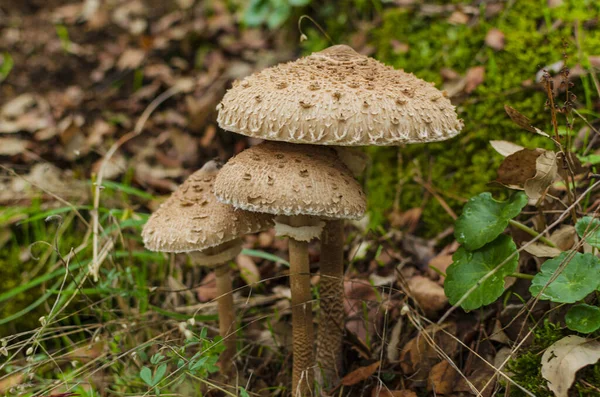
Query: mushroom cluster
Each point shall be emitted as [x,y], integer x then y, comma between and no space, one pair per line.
[335,97]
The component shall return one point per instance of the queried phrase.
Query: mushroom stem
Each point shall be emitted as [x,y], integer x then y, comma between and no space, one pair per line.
[302,324]
[331,289]
[226,316]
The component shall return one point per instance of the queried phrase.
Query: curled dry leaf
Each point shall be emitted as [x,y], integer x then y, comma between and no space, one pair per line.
[522,121]
[546,170]
[428,294]
[248,269]
[495,39]
[564,237]
[381,392]
[360,374]
[442,378]
[420,354]
[542,250]
[474,78]
[563,359]
[506,148]
[518,167]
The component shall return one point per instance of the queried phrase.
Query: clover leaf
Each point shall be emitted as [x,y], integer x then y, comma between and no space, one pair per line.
[469,267]
[579,276]
[484,218]
[588,228]
[583,318]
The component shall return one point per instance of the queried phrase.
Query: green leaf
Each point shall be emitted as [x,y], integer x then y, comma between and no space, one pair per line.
[243,392]
[484,218]
[299,3]
[583,318]
[146,375]
[578,278]
[469,267]
[278,15]
[588,228]
[160,372]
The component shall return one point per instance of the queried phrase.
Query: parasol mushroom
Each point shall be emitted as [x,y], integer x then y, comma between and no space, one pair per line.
[302,185]
[194,222]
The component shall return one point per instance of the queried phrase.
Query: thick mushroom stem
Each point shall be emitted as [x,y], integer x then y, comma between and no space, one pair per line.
[300,230]
[219,256]
[331,291]
[226,316]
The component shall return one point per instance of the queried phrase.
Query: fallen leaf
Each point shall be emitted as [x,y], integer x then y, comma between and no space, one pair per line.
[442,378]
[360,374]
[480,377]
[495,39]
[419,355]
[474,78]
[441,262]
[382,392]
[506,148]
[429,295]
[518,167]
[541,250]
[248,270]
[564,358]
[207,290]
[458,18]
[12,146]
[546,170]
[522,121]
[564,237]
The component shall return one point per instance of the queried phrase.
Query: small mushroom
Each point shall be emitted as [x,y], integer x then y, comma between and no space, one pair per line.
[193,221]
[300,216]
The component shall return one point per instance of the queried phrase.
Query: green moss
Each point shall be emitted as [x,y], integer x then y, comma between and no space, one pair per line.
[462,167]
[527,367]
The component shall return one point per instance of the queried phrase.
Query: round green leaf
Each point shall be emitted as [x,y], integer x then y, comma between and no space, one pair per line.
[579,277]
[484,218]
[583,318]
[469,267]
[588,228]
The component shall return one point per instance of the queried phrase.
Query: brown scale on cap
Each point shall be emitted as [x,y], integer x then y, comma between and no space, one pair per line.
[193,220]
[285,179]
[320,99]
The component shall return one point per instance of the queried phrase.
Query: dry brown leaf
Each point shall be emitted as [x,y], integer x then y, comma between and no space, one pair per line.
[564,358]
[429,295]
[382,392]
[495,39]
[541,250]
[207,290]
[458,18]
[564,237]
[358,292]
[506,148]
[248,270]
[479,379]
[12,380]
[442,378]
[522,121]
[474,78]
[546,170]
[360,374]
[441,263]
[12,146]
[418,355]
[518,167]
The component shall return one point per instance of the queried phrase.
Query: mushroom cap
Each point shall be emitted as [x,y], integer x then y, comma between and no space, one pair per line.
[338,97]
[193,220]
[285,179]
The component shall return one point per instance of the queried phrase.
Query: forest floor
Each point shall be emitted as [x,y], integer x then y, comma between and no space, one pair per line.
[105,108]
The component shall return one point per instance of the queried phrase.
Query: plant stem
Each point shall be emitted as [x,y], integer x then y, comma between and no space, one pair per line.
[532,232]
[302,324]
[226,316]
[521,275]
[331,316]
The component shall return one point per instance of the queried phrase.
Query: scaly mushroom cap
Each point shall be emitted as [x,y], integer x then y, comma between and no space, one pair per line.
[338,97]
[285,179]
[193,220]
